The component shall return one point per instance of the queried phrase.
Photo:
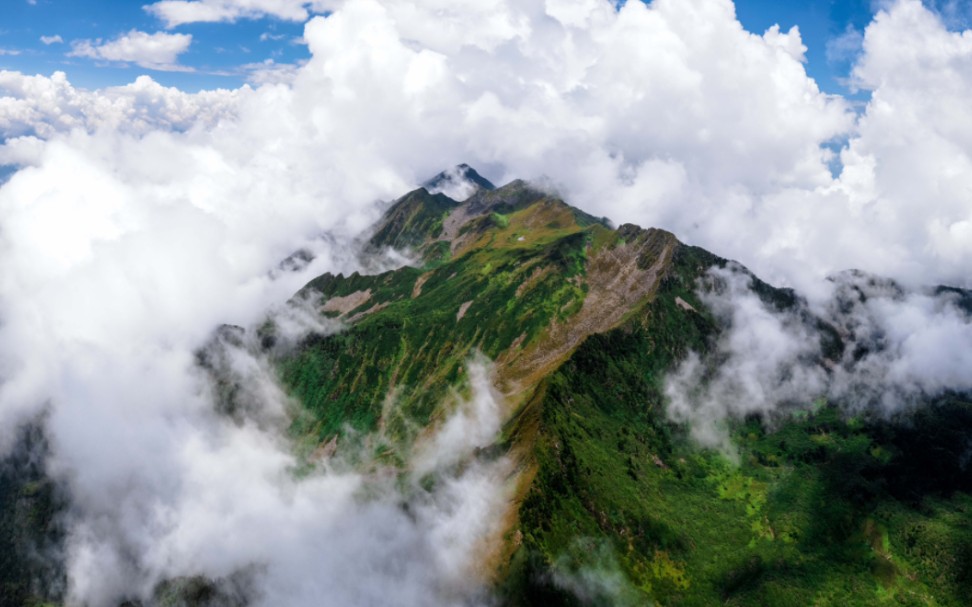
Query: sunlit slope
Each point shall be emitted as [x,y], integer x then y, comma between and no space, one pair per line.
[821,510]
[614,504]
[523,278]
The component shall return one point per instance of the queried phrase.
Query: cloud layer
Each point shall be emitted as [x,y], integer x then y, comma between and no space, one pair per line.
[206,497]
[46,107]
[141,217]
[669,115]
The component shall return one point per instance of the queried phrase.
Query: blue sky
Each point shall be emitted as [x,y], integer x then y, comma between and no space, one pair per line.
[219,52]
[821,22]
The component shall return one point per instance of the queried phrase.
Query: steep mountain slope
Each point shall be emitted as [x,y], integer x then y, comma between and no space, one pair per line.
[512,273]
[614,504]
[30,565]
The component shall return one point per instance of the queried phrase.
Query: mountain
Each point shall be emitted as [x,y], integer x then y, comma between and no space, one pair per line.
[614,503]
[611,501]
[459,182]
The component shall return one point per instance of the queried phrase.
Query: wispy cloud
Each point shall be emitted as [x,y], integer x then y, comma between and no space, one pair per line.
[271,72]
[158,51]
[178,12]
[896,349]
[846,47]
[55,39]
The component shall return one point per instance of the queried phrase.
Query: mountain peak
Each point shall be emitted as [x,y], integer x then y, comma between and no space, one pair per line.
[459,183]
[436,226]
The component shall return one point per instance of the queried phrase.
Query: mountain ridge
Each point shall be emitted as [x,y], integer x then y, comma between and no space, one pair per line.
[537,240]
[479,262]
[607,499]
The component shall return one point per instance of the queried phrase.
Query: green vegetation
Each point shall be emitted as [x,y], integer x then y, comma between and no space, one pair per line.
[413,220]
[618,507]
[507,289]
[30,538]
[821,511]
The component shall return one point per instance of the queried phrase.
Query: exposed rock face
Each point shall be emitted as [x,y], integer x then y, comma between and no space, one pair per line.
[618,279]
[343,305]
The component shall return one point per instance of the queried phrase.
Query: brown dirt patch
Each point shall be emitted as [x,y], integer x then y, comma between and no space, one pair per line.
[345,304]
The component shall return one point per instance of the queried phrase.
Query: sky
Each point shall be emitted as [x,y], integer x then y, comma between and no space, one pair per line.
[231,47]
[150,185]
[46,36]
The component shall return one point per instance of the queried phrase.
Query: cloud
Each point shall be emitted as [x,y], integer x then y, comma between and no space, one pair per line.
[271,72]
[901,347]
[845,47]
[590,571]
[49,40]
[957,14]
[142,217]
[179,12]
[897,348]
[47,106]
[764,361]
[9,51]
[907,171]
[222,500]
[473,425]
[158,51]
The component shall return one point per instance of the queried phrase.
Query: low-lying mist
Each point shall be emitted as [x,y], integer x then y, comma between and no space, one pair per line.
[860,341]
[160,497]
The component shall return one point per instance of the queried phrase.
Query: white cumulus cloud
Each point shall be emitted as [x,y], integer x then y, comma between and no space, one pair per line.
[158,51]
[46,106]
